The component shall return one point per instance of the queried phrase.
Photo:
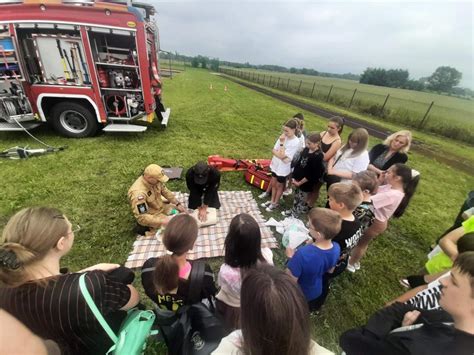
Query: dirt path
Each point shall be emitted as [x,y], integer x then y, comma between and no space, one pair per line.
[352,122]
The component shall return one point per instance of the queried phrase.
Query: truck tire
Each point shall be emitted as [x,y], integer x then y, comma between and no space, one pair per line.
[74,120]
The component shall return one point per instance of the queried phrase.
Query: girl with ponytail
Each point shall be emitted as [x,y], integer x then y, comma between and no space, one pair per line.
[166,280]
[391,199]
[49,301]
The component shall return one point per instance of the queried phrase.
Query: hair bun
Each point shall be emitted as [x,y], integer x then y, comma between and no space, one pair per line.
[8,259]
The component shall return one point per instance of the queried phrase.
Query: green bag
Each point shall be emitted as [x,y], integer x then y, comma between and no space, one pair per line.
[134,331]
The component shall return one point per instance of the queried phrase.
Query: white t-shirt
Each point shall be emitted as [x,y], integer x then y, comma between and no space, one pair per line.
[277,165]
[302,142]
[346,163]
[232,344]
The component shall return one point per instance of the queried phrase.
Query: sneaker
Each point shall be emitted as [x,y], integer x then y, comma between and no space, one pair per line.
[272,207]
[404,283]
[266,204]
[286,213]
[350,268]
[357,266]
[263,195]
[287,192]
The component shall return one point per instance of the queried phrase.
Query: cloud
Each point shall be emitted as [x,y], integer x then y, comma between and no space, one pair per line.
[337,36]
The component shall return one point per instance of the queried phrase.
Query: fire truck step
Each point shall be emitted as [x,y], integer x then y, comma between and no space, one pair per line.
[166,117]
[5,126]
[114,127]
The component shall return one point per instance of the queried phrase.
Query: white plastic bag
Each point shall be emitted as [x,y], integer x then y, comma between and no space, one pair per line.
[295,233]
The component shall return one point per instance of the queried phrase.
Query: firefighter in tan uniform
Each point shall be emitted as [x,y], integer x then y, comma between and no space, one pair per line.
[145,198]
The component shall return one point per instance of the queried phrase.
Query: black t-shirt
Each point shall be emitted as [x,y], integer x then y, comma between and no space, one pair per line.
[57,310]
[309,166]
[348,237]
[169,301]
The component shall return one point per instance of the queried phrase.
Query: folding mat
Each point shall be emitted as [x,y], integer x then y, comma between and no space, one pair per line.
[210,241]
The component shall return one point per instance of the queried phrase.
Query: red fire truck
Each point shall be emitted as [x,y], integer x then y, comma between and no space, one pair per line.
[79,65]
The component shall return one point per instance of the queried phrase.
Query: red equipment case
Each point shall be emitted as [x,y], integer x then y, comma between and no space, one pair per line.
[258,176]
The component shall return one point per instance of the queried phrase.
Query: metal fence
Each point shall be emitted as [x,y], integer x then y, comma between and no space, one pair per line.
[428,116]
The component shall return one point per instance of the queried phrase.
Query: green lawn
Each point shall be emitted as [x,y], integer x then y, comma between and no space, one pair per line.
[440,145]
[90,179]
[449,116]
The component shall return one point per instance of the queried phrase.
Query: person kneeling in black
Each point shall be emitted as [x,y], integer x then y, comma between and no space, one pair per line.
[203,184]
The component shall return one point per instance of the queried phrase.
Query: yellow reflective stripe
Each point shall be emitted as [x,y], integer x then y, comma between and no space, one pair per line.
[252,178]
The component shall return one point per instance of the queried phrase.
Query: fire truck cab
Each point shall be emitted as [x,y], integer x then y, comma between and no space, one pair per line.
[80,65]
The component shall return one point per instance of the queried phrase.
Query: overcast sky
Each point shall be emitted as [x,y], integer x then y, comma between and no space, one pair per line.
[329,36]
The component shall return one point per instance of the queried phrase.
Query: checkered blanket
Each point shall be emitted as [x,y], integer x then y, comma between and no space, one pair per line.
[210,241]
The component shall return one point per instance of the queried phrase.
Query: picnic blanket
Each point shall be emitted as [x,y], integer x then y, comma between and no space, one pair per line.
[210,241]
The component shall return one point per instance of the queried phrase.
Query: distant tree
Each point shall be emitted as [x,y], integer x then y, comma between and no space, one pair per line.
[293,70]
[374,76]
[214,64]
[397,78]
[203,61]
[414,85]
[195,62]
[444,79]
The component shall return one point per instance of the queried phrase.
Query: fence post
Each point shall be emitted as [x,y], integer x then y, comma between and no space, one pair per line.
[278,84]
[270,81]
[299,87]
[385,102]
[422,123]
[329,93]
[288,84]
[312,90]
[352,98]
[263,79]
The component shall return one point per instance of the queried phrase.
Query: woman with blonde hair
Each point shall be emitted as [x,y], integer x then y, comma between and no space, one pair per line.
[48,300]
[392,151]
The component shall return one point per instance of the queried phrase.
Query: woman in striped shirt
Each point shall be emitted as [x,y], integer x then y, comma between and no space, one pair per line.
[48,300]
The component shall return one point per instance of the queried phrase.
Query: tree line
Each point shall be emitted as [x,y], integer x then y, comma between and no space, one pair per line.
[444,79]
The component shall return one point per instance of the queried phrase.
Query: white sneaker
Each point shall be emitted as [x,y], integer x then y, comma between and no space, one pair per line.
[263,195]
[272,207]
[286,213]
[353,268]
[287,192]
[266,204]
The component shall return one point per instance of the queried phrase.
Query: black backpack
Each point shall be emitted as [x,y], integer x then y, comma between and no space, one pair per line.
[194,329]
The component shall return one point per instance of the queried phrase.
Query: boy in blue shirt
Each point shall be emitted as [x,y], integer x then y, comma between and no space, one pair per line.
[309,263]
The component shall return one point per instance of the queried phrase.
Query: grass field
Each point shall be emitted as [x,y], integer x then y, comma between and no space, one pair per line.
[442,147]
[449,116]
[90,179]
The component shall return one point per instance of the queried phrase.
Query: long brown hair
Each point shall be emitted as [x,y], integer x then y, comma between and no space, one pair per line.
[339,121]
[274,313]
[362,137]
[179,237]
[410,182]
[243,242]
[28,236]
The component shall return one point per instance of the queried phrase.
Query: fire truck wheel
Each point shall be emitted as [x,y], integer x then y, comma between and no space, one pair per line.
[72,119]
